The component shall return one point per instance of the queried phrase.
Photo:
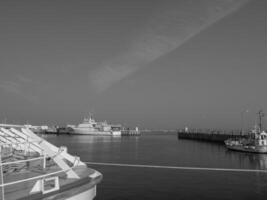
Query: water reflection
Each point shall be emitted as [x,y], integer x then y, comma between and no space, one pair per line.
[256,161]
[97,139]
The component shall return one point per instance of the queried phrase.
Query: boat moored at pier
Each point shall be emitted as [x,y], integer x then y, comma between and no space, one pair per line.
[90,127]
[256,142]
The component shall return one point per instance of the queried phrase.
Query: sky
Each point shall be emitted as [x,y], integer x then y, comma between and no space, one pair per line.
[153,64]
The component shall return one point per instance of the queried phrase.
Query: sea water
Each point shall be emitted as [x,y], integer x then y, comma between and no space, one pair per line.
[165,149]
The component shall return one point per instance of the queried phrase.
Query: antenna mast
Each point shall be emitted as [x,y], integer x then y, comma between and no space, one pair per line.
[261,115]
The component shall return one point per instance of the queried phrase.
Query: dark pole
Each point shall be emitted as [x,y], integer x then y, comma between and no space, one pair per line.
[261,114]
[242,120]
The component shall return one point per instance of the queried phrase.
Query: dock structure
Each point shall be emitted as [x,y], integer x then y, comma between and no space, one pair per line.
[218,136]
[130,132]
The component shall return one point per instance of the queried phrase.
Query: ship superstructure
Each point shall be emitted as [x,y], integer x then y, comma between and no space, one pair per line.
[90,127]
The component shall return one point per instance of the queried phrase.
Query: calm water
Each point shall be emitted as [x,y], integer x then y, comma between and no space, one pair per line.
[127,183]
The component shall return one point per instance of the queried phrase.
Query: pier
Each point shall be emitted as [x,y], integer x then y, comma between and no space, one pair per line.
[218,136]
[130,133]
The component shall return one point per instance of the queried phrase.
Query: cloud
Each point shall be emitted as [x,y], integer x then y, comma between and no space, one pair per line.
[172,26]
[24,79]
[20,88]
[10,86]
[103,78]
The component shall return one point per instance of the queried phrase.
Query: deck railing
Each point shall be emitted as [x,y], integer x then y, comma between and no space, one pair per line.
[40,179]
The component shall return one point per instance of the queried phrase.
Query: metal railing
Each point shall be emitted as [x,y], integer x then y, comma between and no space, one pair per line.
[38,177]
[16,144]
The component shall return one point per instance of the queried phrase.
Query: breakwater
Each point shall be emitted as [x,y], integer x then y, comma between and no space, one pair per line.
[209,135]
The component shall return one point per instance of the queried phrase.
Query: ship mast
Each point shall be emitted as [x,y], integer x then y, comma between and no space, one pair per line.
[261,115]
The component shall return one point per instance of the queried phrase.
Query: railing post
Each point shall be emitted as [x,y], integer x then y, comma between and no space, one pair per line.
[44,161]
[1,174]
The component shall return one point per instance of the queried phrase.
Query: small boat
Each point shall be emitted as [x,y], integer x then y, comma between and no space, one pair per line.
[90,127]
[32,168]
[256,142]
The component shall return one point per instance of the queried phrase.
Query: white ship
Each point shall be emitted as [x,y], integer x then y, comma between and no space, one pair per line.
[32,168]
[90,127]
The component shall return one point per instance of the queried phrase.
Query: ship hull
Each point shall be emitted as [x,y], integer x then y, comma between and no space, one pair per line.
[72,194]
[95,132]
[88,132]
[86,195]
[251,149]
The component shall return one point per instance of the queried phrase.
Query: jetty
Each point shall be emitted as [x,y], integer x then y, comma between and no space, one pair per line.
[130,132]
[218,136]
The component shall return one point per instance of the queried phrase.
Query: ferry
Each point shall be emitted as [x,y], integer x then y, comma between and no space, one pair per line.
[90,127]
[256,142]
[32,168]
